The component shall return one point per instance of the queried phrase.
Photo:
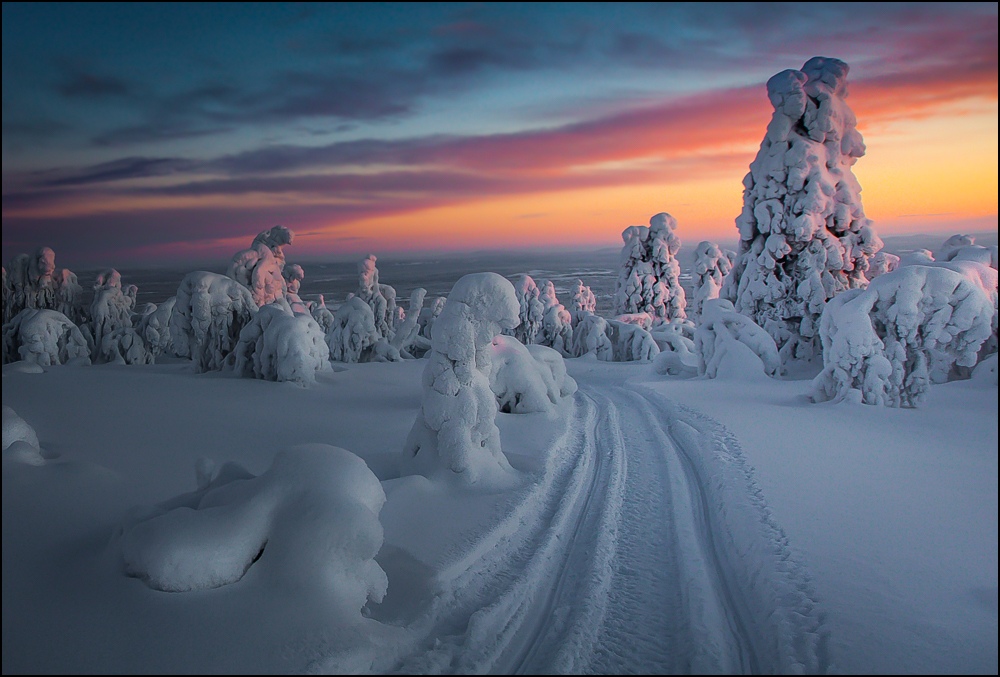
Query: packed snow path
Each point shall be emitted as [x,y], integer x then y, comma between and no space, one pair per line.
[645,548]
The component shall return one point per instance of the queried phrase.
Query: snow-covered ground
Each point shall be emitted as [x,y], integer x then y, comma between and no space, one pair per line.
[651,524]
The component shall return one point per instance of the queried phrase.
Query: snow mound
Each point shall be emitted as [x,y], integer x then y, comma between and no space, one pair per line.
[209,313]
[881,344]
[44,337]
[986,371]
[527,379]
[731,345]
[20,443]
[310,522]
[455,433]
[279,345]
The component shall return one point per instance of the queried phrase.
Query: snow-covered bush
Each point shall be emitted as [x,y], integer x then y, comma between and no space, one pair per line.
[33,281]
[728,343]
[881,263]
[879,344]
[315,510]
[44,337]
[209,313]
[678,354]
[804,236]
[353,333]
[294,275]
[280,345]
[630,342]
[455,433]
[644,320]
[649,279]
[591,336]
[712,264]
[323,315]
[527,379]
[531,311]
[260,267]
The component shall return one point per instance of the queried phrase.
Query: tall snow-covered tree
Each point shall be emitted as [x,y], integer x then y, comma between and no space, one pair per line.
[260,267]
[649,279]
[804,236]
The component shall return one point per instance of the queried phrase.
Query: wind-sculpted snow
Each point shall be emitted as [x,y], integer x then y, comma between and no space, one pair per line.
[209,313]
[44,337]
[314,510]
[279,345]
[644,546]
[804,236]
[455,433]
[730,344]
[527,379]
[649,279]
[880,345]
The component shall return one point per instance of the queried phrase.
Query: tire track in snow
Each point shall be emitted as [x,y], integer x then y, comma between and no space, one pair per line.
[624,558]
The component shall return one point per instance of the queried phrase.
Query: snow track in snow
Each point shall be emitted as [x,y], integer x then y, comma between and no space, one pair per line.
[644,547]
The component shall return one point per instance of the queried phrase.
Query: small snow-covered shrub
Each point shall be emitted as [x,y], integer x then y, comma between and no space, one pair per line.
[309,523]
[209,313]
[630,342]
[44,337]
[678,354]
[455,433]
[725,336]
[279,345]
[527,378]
[879,344]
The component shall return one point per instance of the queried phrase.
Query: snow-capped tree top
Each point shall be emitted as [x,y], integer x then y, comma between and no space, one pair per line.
[275,238]
[42,265]
[368,274]
[108,279]
[293,275]
[479,306]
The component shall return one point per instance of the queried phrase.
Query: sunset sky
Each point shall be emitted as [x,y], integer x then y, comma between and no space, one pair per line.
[155,133]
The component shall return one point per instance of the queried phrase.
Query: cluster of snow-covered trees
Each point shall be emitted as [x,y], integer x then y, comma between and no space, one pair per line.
[808,284]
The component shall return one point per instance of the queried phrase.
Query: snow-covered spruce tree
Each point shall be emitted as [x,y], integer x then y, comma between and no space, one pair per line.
[455,434]
[323,315]
[352,334]
[804,236]
[964,248]
[407,334]
[883,262]
[209,313]
[110,324]
[649,279]
[44,337]
[154,327]
[630,342]
[591,336]
[260,267]
[557,323]
[527,379]
[33,281]
[879,344]
[427,316]
[583,302]
[371,292]
[727,339]
[531,311]
[712,264]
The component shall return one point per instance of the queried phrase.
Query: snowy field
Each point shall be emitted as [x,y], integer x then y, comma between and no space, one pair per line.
[815,537]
